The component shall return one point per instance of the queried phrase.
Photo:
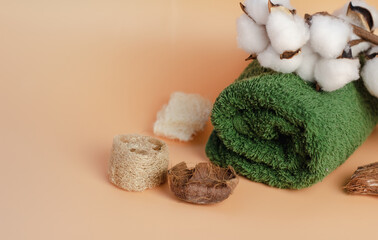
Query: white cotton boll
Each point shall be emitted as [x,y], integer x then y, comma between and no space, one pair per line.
[258,9]
[374,14]
[359,48]
[252,38]
[333,74]
[271,59]
[329,36]
[373,50]
[307,67]
[287,32]
[342,12]
[369,75]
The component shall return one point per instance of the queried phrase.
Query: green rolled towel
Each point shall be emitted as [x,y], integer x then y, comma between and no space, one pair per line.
[277,129]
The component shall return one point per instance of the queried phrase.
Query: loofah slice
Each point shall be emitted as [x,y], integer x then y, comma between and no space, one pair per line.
[206,183]
[138,162]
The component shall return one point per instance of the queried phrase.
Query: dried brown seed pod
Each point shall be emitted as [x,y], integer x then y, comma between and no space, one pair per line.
[371,56]
[279,7]
[290,54]
[206,183]
[361,15]
[253,56]
[364,180]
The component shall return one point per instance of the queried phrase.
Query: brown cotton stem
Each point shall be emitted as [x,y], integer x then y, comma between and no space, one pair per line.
[355,42]
[365,35]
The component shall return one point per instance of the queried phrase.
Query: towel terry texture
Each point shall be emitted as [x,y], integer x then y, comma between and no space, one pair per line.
[277,129]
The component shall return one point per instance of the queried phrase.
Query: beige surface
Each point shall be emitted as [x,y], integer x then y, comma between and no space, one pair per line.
[75,73]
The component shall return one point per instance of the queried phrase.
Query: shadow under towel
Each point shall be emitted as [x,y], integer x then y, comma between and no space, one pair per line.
[276,129]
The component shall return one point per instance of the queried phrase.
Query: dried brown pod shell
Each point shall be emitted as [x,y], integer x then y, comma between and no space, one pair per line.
[279,7]
[361,15]
[206,183]
[364,180]
[371,56]
[253,56]
[289,54]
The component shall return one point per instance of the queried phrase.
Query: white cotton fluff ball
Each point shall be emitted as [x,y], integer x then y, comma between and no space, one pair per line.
[307,67]
[343,11]
[369,75]
[359,48]
[333,74]
[271,59]
[329,36]
[373,50]
[287,32]
[252,37]
[258,9]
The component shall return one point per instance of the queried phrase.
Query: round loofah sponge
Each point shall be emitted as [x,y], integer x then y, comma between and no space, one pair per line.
[138,162]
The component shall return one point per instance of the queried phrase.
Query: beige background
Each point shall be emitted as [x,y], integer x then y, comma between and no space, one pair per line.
[75,73]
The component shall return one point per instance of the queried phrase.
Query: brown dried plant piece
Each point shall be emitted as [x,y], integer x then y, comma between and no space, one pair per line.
[371,56]
[361,15]
[355,42]
[364,180]
[317,87]
[253,56]
[278,7]
[289,54]
[206,183]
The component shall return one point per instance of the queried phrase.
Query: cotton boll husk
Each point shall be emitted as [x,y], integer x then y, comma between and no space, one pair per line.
[252,37]
[333,74]
[342,12]
[271,59]
[329,36]
[307,67]
[258,9]
[286,32]
[369,75]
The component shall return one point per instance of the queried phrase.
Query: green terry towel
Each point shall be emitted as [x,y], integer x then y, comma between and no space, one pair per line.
[276,129]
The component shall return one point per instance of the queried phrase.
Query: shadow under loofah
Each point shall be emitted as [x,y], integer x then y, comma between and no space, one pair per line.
[277,129]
